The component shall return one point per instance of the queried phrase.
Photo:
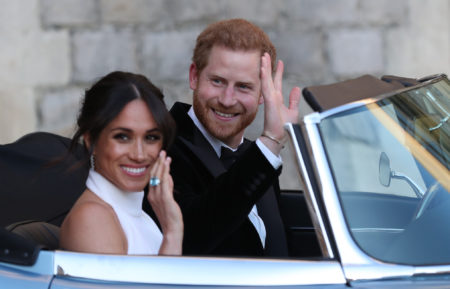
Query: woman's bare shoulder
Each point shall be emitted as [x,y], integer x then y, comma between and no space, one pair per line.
[92,226]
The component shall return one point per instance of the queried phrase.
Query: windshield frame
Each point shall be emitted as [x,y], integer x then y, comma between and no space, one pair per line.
[351,255]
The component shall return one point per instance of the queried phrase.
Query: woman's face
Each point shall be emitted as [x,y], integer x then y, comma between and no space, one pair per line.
[128,147]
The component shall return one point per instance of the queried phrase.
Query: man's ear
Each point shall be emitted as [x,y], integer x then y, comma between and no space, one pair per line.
[261,99]
[193,76]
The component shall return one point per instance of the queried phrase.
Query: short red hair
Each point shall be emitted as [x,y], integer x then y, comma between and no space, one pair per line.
[235,34]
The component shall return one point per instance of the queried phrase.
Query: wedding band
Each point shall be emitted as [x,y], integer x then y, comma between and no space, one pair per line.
[154,181]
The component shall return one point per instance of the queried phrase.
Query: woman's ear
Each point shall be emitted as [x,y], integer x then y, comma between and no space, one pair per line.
[87,141]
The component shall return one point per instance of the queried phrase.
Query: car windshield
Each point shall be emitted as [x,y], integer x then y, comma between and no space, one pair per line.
[390,161]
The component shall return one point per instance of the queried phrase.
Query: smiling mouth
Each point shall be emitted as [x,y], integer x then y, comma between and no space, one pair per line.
[134,171]
[225,115]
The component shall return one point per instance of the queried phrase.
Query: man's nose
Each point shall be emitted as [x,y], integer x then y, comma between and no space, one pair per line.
[228,97]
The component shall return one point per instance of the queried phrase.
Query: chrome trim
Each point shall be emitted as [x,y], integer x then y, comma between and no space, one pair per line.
[428,270]
[431,77]
[311,201]
[376,230]
[197,271]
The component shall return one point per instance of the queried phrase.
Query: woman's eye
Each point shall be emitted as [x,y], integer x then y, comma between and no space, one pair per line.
[121,137]
[153,137]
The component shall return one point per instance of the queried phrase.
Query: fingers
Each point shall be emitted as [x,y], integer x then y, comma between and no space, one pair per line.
[271,87]
[158,166]
[294,98]
[166,178]
[278,79]
[266,76]
[161,170]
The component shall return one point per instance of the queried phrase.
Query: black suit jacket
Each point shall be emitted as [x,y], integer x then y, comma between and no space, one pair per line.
[216,203]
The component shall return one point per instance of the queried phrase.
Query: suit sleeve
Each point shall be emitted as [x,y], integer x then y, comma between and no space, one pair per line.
[214,207]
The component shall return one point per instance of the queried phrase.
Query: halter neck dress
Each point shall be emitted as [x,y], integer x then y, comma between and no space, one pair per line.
[142,233]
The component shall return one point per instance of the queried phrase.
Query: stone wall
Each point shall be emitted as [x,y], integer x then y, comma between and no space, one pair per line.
[51,50]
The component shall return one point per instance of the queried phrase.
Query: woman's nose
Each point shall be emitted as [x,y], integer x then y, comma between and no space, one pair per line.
[137,151]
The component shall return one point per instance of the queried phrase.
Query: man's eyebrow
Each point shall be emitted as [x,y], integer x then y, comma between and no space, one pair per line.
[248,83]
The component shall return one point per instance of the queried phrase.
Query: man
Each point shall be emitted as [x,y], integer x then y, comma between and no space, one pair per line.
[231,211]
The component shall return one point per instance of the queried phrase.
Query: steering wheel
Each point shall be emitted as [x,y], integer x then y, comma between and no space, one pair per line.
[426,199]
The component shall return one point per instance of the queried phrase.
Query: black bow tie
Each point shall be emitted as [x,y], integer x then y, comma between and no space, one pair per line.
[228,157]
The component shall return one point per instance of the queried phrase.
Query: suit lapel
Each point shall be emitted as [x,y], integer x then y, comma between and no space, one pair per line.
[190,136]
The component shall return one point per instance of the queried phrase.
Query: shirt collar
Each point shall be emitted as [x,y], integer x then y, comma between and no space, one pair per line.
[214,142]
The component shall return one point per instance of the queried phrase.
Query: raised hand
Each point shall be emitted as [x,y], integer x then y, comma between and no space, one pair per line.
[165,207]
[276,114]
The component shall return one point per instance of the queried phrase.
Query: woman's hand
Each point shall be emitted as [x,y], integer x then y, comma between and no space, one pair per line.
[165,207]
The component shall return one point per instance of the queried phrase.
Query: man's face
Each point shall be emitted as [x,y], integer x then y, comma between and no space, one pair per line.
[227,92]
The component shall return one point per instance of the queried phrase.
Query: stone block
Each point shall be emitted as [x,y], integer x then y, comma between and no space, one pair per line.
[168,55]
[382,12]
[96,53]
[19,16]
[264,13]
[175,91]
[17,113]
[355,52]
[302,54]
[132,11]
[69,12]
[423,47]
[313,13]
[58,109]
[35,58]
[182,11]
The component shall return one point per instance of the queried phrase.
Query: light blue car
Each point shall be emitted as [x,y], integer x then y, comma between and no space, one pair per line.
[374,211]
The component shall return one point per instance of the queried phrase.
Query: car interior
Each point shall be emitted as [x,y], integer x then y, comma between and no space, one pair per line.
[40,183]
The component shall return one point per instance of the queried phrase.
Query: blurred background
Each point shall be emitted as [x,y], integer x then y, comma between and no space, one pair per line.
[52,50]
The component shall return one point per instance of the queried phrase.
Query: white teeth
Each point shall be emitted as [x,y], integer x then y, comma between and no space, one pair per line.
[134,170]
[224,114]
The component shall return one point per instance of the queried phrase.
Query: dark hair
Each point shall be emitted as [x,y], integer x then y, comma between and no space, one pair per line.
[235,34]
[106,99]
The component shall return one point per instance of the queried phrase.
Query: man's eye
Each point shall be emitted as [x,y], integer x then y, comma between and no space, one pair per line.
[216,81]
[244,87]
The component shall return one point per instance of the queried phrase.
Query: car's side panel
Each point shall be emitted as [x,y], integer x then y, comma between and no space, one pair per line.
[78,283]
[36,276]
[198,270]
[13,278]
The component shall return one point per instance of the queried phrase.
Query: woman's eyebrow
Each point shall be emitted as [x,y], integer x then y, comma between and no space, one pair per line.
[155,129]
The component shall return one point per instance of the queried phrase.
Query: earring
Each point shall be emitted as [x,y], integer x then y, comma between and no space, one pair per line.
[92,161]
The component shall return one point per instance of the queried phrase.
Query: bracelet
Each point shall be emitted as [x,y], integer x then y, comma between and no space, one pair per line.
[271,138]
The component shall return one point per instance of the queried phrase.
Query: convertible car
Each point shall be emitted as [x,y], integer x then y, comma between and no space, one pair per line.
[374,210]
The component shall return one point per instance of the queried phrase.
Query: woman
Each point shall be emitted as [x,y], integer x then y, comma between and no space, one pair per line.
[125,127]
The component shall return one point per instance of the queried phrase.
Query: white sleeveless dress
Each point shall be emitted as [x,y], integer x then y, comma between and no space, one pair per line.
[142,233]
